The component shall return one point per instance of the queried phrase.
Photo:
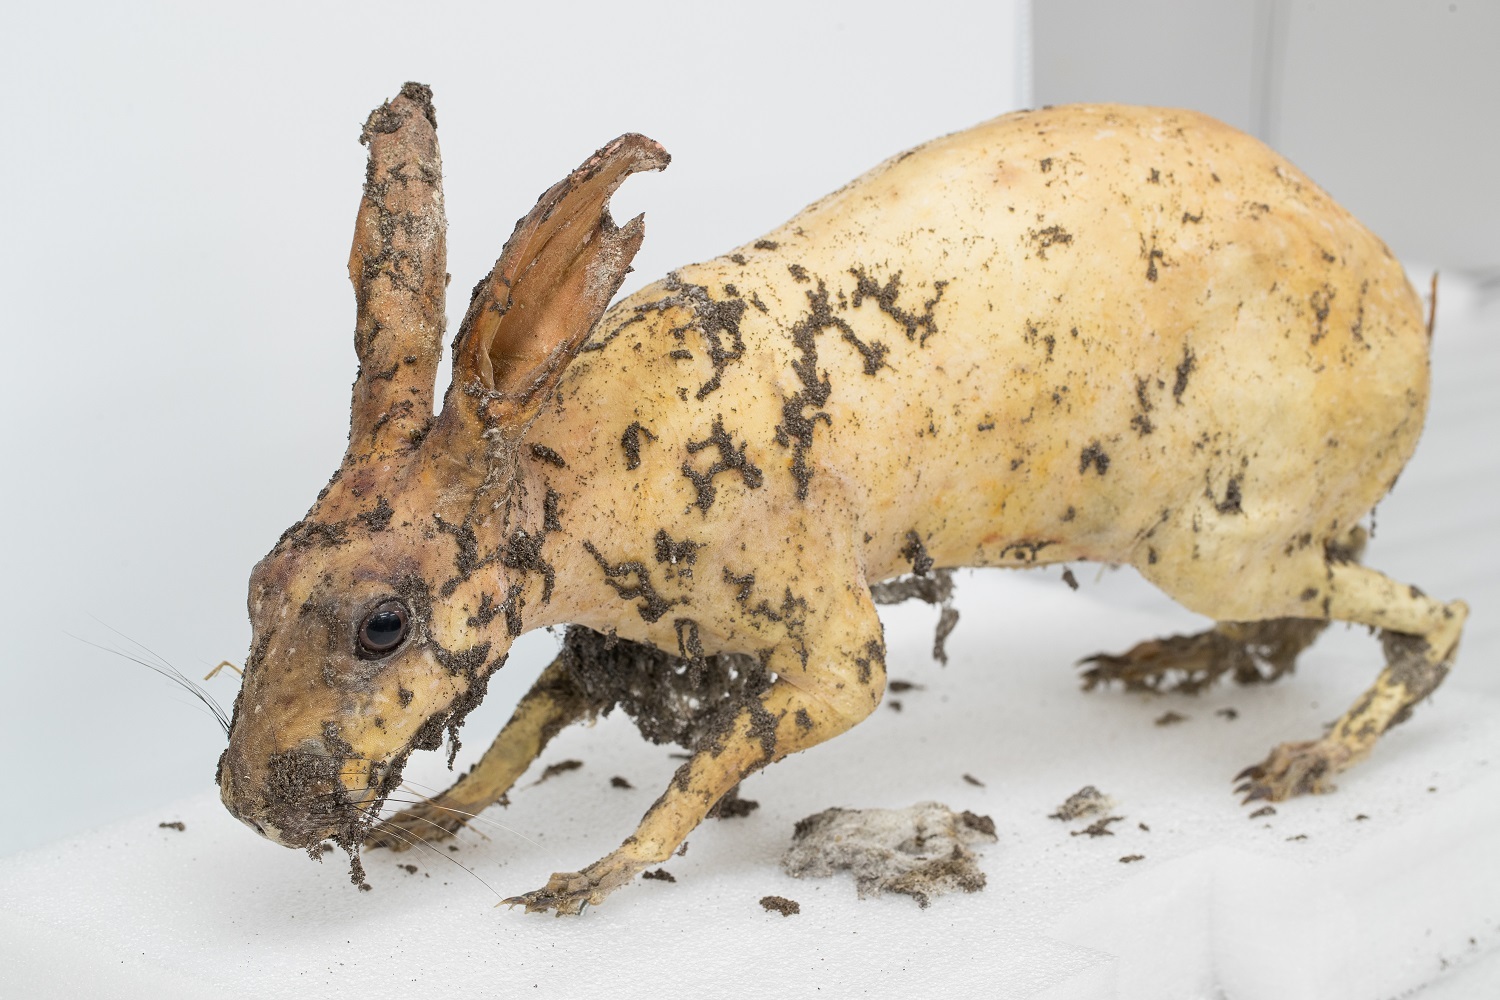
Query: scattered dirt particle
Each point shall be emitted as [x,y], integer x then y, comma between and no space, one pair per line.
[934,588]
[366,887]
[780,904]
[1232,498]
[1144,827]
[796,428]
[1098,828]
[731,806]
[717,322]
[1300,836]
[973,780]
[921,562]
[1044,239]
[901,687]
[893,704]
[1170,719]
[798,272]
[618,782]
[409,869]
[660,875]
[1087,801]
[730,458]
[377,519]
[1070,579]
[1360,818]
[544,454]
[1228,713]
[1184,369]
[176,824]
[767,245]
[561,767]
[918,326]
[652,605]
[980,824]
[453,848]
[674,552]
[1263,811]
[1094,456]
[681,851]
[922,851]
[630,441]
[1151,258]
[1132,858]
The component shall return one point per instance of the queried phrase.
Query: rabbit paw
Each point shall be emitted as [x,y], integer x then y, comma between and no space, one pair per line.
[568,893]
[1299,768]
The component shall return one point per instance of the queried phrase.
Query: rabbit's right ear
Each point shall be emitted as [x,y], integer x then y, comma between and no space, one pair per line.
[554,279]
[398,266]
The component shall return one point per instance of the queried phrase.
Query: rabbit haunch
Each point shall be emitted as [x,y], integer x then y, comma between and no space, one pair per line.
[1105,333]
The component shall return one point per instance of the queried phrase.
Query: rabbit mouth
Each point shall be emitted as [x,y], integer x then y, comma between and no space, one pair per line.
[316,791]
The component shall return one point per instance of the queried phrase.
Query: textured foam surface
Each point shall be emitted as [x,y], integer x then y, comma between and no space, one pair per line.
[1311,901]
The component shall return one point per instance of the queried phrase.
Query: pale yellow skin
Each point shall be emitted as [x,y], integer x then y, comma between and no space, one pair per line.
[1118,334]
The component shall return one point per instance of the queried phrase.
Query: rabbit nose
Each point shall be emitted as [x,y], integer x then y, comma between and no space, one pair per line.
[272,798]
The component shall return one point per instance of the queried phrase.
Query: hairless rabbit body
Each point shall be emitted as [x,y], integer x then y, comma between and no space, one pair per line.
[1102,333]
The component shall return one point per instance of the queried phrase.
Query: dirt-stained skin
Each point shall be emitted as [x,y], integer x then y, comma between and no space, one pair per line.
[1105,333]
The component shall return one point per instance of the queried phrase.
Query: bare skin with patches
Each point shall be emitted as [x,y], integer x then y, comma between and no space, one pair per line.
[1089,333]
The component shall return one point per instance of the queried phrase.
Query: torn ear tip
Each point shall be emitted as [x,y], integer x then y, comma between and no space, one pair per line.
[420,94]
[647,152]
[635,229]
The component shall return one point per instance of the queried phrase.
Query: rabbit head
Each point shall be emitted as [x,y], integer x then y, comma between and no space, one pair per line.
[379,617]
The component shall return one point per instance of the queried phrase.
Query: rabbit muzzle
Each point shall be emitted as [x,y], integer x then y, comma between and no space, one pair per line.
[304,795]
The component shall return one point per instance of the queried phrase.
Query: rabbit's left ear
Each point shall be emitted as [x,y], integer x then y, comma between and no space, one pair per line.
[398,265]
[554,279]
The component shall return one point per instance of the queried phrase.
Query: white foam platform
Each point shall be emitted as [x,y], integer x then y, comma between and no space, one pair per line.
[1308,903]
[1220,906]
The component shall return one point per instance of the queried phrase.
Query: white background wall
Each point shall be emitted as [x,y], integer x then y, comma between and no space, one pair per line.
[175,342]
[1393,106]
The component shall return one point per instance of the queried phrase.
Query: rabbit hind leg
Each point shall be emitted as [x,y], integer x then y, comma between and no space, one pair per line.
[1251,652]
[1419,637]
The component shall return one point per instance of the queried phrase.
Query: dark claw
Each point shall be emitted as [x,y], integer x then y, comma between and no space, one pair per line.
[1253,771]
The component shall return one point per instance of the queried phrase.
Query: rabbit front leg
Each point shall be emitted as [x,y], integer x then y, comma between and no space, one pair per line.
[826,684]
[554,702]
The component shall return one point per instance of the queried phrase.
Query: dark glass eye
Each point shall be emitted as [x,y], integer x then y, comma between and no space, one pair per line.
[383,629]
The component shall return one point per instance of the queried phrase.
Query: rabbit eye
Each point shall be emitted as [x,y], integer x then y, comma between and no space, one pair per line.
[383,629]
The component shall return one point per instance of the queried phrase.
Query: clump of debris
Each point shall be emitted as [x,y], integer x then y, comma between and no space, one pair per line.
[687,699]
[922,851]
[935,586]
[782,905]
[1087,801]
[671,699]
